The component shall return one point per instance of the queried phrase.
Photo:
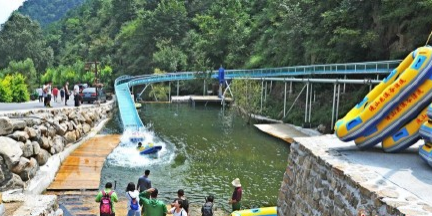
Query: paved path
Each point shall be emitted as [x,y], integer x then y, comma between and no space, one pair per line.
[35,105]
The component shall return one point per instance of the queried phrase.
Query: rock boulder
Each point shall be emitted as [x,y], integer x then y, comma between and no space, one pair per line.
[19,136]
[70,137]
[19,167]
[31,132]
[44,142]
[10,150]
[6,126]
[18,124]
[14,183]
[36,147]
[28,149]
[30,170]
[42,157]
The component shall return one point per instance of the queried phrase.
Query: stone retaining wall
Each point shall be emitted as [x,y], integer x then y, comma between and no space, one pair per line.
[29,138]
[320,181]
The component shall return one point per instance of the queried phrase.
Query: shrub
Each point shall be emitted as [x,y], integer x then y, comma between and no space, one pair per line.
[19,88]
[5,90]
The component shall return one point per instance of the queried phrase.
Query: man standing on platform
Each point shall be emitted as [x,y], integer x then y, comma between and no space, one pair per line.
[221,78]
[144,182]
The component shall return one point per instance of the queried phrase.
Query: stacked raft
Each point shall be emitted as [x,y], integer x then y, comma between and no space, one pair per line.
[395,110]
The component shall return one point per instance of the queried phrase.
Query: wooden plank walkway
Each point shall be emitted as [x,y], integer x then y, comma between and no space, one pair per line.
[282,131]
[82,169]
[198,98]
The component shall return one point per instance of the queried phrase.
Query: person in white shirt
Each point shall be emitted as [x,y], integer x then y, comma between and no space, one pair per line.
[133,207]
[76,89]
[40,94]
[178,210]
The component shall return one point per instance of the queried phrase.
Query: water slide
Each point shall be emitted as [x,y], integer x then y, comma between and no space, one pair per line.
[395,113]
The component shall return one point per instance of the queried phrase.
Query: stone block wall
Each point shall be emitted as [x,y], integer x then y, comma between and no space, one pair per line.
[29,138]
[319,181]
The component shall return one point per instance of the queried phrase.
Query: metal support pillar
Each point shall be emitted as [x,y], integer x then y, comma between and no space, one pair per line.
[307,100]
[291,88]
[178,87]
[310,103]
[333,107]
[265,92]
[337,104]
[285,95]
[271,86]
[204,88]
[169,93]
[344,86]
[262,89]
[154,94]
[139,95]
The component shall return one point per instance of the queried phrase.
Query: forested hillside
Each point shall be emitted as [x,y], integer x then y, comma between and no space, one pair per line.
[137,36]
[48,11]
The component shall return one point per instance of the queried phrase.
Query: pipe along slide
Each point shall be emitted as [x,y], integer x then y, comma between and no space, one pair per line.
[398,111]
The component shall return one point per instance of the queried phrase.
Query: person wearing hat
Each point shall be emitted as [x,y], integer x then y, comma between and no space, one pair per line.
[235,200]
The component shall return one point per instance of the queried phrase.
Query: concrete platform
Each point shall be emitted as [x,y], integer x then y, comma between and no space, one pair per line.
[202,99]
[282,131]
[401,180]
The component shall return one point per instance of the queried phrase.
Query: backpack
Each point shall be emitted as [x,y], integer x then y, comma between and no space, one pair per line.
[133,203]
[207,209]
[105,204]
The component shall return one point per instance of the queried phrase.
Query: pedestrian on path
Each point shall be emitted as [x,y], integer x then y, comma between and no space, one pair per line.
[134,209]
[107,197]
[55,93]
[178,209]
[144,182]
[67,93]
[40,94]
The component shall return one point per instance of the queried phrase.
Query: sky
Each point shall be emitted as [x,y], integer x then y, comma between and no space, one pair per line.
[7,7]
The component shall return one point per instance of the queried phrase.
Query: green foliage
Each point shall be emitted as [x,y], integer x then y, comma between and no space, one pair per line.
[47,11]
[22,38]
[19,88]
[247,94]
[13,88]
[27,69]
[169,57]
[5,89]
[159,91]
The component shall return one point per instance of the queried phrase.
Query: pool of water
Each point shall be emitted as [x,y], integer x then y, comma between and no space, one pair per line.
[204,149]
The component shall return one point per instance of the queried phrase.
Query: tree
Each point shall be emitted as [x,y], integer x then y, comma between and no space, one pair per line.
[27,69]
[22,38]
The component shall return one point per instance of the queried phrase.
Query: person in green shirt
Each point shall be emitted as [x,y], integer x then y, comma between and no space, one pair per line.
[152,206]
[113,196]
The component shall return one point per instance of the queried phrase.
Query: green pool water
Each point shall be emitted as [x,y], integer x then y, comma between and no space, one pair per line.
[204,149]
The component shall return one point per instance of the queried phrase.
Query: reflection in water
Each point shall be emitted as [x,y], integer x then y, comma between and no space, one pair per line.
[205,148]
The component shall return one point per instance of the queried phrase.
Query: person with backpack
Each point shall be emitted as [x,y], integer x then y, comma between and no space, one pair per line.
[132,195]
[178,209]
[207,208]
[152,206]
[106,198]
[185,202]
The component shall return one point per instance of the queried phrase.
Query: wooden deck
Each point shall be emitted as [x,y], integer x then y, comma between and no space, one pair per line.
[282,131]
[82,169]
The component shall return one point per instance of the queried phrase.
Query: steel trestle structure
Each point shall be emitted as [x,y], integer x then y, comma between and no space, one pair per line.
[131,119]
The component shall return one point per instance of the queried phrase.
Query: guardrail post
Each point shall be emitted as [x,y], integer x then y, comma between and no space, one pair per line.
[204,88]
[265,92]
[291,89]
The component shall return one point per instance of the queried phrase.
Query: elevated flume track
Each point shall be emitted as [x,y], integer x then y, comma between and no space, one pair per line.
[132,121]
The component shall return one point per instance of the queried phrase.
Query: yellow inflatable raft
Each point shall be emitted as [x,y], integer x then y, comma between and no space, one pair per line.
[406,136]
[407,110]
[268,211]
[376,109]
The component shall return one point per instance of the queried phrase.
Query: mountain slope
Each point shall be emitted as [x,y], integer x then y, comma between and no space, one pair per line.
[48,11]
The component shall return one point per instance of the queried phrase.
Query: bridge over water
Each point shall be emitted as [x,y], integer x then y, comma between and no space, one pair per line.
[131,119]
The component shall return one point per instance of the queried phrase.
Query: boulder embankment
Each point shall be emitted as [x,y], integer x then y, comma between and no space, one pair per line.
[29,138]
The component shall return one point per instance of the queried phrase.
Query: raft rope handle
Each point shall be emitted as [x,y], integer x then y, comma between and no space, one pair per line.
[428,38]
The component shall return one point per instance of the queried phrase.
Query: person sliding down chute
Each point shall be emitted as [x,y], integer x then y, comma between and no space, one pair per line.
[402,82]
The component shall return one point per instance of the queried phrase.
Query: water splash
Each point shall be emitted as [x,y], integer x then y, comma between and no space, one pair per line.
[127,155]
